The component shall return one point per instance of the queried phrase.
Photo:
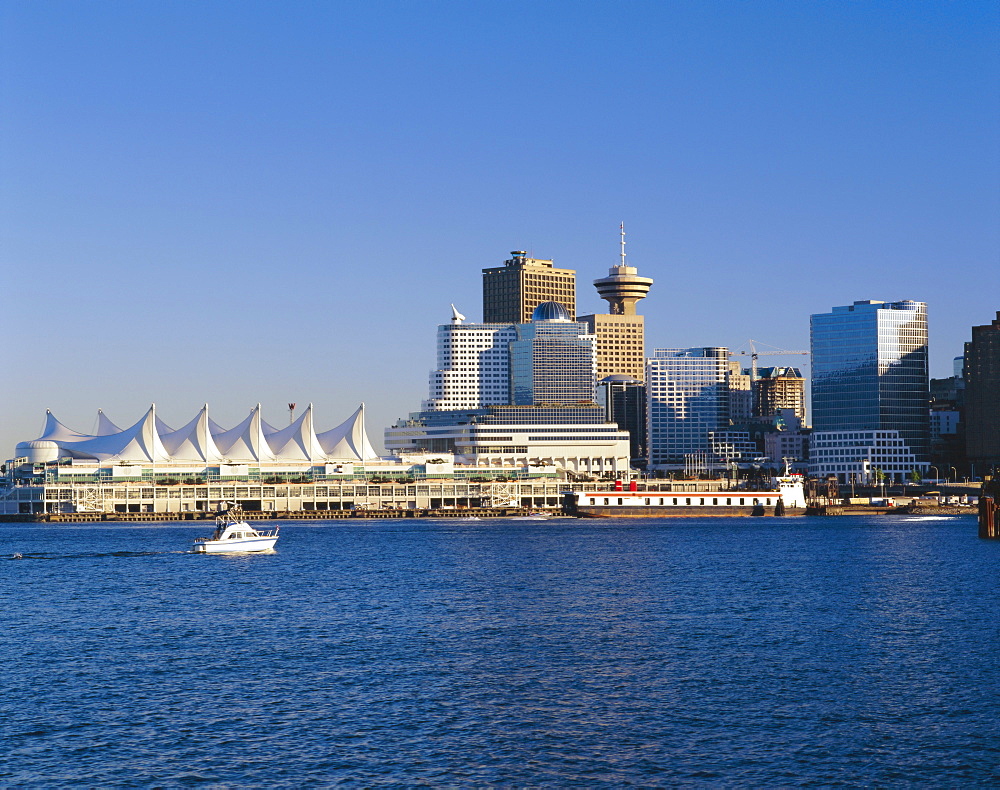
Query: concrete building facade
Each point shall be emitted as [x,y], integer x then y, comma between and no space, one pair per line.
[512,292]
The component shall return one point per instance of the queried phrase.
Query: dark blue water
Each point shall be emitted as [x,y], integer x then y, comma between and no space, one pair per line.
[680,652]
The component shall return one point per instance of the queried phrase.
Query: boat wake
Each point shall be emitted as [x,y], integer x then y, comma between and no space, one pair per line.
[44,555]
[930,518]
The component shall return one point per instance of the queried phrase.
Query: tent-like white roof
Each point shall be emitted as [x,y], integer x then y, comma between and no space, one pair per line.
[203,440]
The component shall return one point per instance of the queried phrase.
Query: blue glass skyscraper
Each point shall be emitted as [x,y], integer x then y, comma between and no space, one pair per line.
[552,361]
[870,385]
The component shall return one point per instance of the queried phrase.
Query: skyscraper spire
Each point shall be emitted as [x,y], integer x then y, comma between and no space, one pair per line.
[623,244]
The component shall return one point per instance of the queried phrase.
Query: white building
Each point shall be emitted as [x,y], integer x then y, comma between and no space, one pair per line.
[859,453]
[473,366]
[508,440]
[515,399]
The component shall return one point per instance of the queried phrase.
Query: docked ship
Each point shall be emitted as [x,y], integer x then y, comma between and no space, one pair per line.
[787,498]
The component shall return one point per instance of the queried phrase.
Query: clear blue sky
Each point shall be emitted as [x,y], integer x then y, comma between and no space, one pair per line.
[236,202]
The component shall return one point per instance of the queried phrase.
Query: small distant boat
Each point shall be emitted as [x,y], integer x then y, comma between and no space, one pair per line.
[233,534]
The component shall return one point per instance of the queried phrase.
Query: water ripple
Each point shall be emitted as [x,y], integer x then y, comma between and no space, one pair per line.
[704,653]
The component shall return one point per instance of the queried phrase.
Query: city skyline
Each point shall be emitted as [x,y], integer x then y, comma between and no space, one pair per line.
[282,209]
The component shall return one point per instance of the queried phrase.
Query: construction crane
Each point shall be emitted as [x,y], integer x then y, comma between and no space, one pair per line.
[754,353]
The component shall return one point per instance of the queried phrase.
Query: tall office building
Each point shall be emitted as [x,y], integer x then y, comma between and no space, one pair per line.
[870,390]
[512,292]
[621,331]
[552,360]
[687,399]
[777,389]
[982,394]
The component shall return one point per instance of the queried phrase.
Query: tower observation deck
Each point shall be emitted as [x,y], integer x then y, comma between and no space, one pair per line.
[623,286]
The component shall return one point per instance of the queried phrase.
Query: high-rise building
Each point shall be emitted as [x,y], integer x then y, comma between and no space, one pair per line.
[779,388]
[621,331]
[473,365]
[870,390]
[687,399]
[982,394]
[512,292]
[552,360]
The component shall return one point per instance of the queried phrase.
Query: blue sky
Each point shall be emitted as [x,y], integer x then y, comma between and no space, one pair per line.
[262,202]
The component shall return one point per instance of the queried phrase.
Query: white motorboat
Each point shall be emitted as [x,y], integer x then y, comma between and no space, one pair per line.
[233,534]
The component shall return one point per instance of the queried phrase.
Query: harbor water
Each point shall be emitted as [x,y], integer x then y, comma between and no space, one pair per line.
[854,651]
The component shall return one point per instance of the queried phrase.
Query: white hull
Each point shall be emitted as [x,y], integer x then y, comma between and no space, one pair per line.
[234,546]
[234,536]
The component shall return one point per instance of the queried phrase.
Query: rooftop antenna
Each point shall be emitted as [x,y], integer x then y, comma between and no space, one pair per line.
[291,413]
[623,244]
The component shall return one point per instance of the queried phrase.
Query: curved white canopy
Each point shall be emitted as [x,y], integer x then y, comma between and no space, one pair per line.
[204,440]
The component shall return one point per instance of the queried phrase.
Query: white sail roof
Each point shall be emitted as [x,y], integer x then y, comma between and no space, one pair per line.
[193,442]
[202,440]
[297,442]
[349,440]
[140,442]
[246,441]
[104,426]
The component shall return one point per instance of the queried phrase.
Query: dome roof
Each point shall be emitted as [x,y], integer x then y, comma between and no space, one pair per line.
[551,311]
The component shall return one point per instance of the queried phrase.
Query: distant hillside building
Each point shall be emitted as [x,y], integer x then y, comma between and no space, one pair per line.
[982,394]
[512,292]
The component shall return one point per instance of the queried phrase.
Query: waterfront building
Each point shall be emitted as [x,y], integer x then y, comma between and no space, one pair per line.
[518,440]
[687,398]
[779,388]
[861,456]
[620,332]
[512,292]
[982,394]
[870,389]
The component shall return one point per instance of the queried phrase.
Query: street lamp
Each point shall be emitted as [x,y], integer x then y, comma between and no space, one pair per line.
[936,473]
[954,474]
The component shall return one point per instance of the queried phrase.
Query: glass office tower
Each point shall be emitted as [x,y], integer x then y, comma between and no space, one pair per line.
[869,373]
[552,361]
[687,396]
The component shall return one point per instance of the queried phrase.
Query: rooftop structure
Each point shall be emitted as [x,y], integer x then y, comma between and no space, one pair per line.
[512,292]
